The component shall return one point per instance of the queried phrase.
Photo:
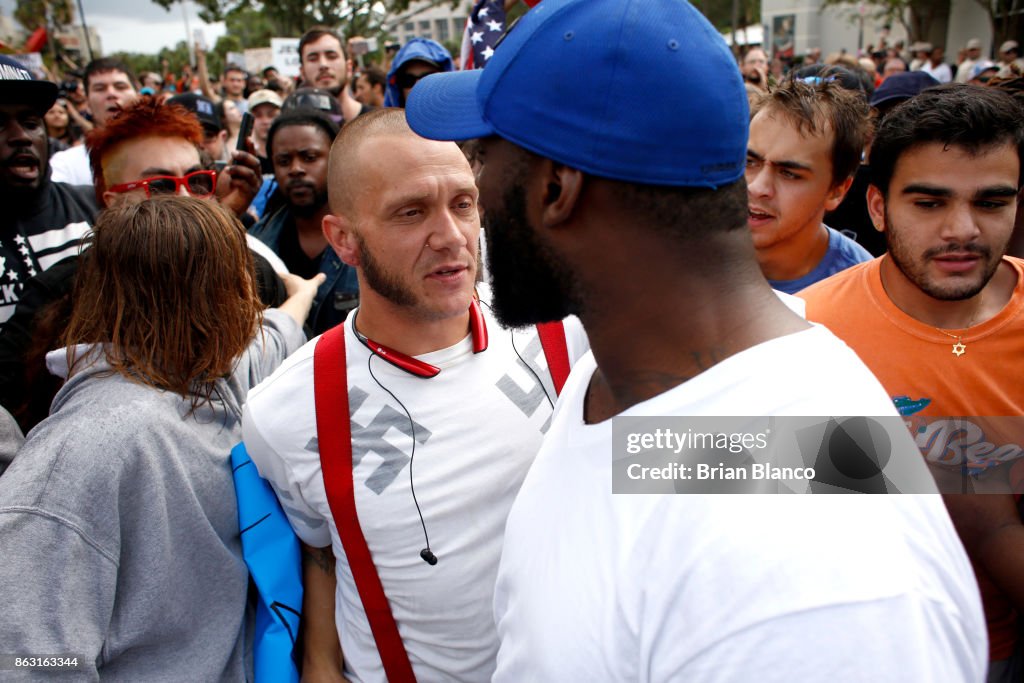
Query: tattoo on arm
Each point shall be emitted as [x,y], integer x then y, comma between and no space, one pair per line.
[321,557]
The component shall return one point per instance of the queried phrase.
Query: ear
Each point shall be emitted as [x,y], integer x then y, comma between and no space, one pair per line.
[562,188]
[837,193]
[339,234]
[876,207]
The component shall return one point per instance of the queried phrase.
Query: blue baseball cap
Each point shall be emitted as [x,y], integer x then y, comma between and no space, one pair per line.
[643,91]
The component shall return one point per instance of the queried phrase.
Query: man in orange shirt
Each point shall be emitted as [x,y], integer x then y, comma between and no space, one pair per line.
[939,319]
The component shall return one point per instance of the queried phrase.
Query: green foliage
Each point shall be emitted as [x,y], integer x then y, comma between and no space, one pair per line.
[290,18]
[719,13]
[33,14]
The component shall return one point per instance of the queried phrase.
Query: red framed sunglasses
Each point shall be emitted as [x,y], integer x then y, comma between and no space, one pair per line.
[199,184]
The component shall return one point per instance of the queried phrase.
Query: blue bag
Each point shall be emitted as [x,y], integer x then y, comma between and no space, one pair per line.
[271,552]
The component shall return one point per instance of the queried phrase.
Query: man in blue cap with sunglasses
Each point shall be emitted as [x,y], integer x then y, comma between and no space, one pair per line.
[634,218]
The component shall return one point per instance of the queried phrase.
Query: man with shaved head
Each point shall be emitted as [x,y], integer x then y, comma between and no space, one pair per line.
[428,372]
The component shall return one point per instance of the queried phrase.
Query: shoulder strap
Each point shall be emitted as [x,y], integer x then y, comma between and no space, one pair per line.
[334,435]
[552,340]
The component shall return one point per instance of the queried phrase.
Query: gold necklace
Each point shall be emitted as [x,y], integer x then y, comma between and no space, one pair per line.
[959,348]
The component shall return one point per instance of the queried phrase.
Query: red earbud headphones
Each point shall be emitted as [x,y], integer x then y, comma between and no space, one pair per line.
[477,327]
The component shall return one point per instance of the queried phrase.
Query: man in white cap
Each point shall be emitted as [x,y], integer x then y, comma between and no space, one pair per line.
[264,105]
[1009,57]
[973,54]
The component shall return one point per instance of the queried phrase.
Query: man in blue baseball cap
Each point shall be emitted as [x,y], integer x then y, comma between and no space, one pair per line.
[634,218]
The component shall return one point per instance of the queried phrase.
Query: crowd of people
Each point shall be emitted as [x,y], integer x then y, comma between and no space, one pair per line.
[494,269]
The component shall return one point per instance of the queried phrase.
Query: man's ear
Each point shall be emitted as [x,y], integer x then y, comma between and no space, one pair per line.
[562,188]
[341,237]
[876,207]
[836,194]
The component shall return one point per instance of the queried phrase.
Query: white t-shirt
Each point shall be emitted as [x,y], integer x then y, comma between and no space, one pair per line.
[600,587]
[942,73]
[478,426]
[71,166]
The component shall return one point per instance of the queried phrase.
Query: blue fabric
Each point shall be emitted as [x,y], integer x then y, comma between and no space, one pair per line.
[842,253]
[259,202]
[271,552]
[422,49]
[563,84]
[338,295]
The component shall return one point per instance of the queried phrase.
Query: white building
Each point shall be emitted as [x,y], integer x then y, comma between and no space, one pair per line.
[430,19]
[804,24]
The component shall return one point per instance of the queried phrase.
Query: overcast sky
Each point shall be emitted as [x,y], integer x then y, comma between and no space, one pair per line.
[138,25]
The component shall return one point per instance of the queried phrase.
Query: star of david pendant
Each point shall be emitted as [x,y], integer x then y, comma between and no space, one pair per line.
[959,349]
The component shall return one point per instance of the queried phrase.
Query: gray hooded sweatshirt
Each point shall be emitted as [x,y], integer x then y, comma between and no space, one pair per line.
[119,539]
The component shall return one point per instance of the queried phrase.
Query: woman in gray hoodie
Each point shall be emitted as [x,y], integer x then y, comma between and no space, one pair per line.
[118,526]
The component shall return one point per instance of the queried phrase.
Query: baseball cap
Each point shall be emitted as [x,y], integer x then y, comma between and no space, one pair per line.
[982,66]
[19,86]
[902,86]
[202,107]
[1009,45]
[973,44]
[314,98]
[563,83]
[264,97]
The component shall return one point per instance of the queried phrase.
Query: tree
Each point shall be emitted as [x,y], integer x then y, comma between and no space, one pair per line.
[293,17]
[49,14]
[923,19]
[1004,17]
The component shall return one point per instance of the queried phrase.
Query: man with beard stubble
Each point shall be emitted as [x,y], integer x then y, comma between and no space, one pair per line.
[298,145]
[429,374]
[634,219]
[939,319]
[324,64]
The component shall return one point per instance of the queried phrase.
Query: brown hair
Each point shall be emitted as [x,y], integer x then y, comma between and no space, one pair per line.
[316,33]
[168,287]
[821,107]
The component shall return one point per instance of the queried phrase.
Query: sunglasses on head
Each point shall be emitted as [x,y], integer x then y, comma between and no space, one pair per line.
[199,184]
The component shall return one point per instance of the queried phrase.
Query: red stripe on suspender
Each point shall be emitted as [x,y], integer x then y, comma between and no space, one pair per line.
[552,340]
[334,435]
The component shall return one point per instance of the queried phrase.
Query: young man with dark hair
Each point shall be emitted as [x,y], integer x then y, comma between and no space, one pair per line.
[806,141]
[939,319]
[370,87]
[323,63]
[110,86]
[634,219]
[298,146]
[233,82]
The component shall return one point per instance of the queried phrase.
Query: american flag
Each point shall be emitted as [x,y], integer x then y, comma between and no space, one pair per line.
[486,23]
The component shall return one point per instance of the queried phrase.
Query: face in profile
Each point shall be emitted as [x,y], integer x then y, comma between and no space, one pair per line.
[529,283]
